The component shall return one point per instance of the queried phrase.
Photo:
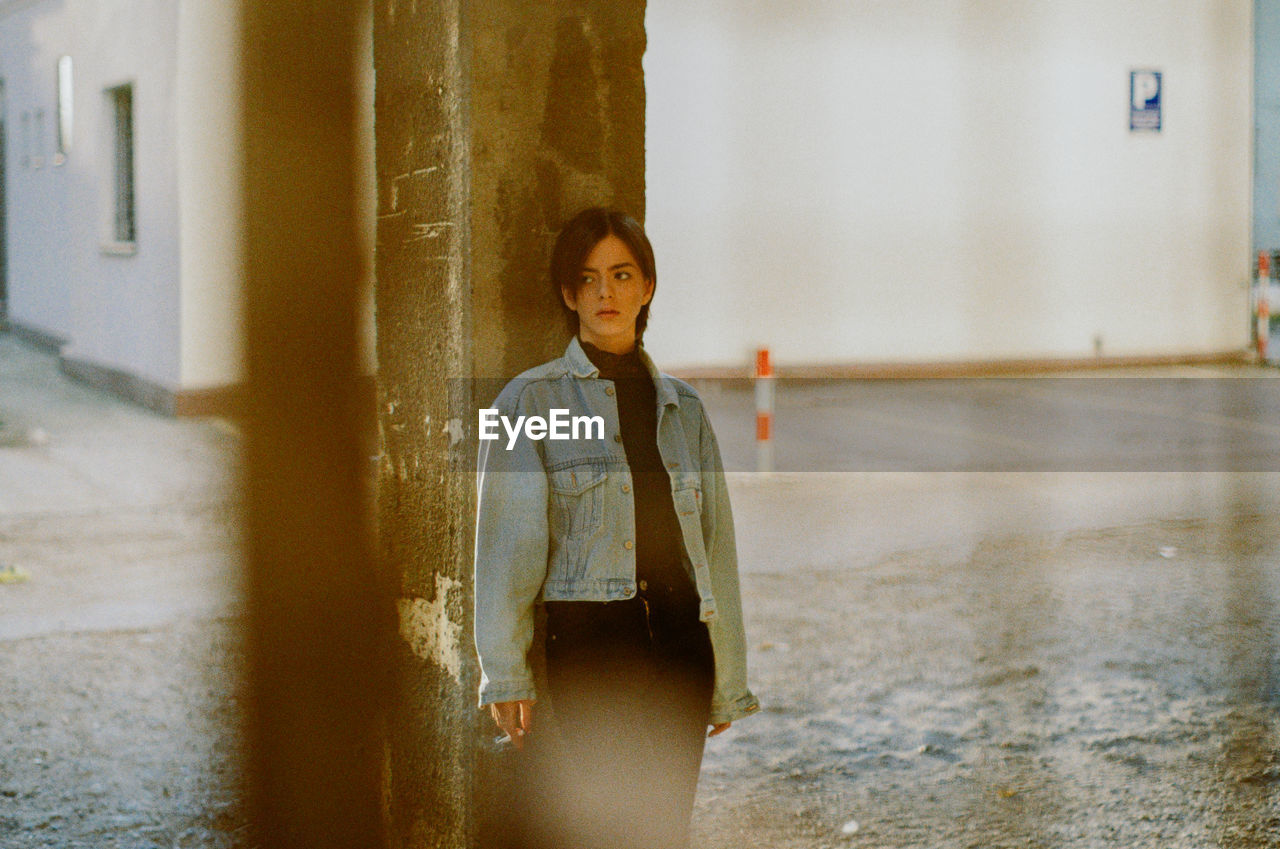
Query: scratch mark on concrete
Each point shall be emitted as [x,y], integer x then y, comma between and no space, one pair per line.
[413,175]
[432,230]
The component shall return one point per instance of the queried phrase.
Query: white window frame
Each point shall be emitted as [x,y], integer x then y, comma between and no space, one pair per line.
[65,110]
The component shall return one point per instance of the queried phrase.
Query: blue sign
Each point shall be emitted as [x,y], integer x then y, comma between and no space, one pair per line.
[1145,90]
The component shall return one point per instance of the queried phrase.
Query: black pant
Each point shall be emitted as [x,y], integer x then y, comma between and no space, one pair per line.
[630,686]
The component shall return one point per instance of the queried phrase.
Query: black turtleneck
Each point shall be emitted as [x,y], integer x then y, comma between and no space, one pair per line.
[660,569]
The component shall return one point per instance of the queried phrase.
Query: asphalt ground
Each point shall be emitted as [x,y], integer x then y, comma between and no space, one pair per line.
[1174,419]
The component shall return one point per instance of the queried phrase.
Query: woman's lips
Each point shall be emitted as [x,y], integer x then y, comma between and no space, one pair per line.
[608,313]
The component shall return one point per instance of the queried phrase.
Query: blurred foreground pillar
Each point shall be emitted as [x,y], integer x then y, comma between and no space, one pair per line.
[496,121]
[320,627]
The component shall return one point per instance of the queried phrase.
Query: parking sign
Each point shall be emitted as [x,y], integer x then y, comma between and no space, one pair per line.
[1145,88]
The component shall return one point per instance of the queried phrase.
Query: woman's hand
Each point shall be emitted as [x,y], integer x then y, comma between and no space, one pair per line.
[719,728]
[514,718]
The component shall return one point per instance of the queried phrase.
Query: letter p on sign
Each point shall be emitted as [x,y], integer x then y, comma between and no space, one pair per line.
[1146,87]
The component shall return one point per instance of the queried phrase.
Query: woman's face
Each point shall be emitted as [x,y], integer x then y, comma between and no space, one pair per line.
[611,291]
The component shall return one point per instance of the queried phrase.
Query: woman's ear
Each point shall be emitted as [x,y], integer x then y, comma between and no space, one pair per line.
[570,298]
[648,291]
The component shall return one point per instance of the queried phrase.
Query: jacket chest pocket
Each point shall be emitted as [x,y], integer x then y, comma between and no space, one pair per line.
[577,499]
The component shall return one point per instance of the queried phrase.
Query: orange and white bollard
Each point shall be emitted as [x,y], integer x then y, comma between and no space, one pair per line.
[764,411]
[1263,307]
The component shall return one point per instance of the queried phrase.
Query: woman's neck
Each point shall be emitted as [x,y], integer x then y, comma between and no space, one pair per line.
[612,345]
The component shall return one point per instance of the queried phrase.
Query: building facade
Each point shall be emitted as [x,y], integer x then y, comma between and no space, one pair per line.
[933,181]
[121,189]
[927,181]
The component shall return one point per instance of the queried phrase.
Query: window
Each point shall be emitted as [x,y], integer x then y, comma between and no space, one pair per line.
[120,102]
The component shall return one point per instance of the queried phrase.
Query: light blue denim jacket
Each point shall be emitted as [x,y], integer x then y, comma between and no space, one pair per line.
[555,522]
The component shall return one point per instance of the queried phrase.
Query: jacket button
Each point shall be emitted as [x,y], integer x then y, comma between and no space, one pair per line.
[617,437]
[644,585]
[626,487]
[628,545]
[608,390]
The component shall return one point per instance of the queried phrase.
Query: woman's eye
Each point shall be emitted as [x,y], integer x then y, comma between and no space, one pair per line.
[623,275]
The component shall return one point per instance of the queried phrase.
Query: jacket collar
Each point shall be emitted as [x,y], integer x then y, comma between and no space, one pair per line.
[580,365]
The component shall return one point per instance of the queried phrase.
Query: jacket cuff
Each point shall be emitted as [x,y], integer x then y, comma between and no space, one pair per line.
[735,710]
[506,691]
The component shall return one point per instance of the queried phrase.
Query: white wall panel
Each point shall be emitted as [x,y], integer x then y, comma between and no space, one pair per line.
[208,113]
[939,179]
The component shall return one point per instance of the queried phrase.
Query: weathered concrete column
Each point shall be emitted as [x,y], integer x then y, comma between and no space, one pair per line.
[496,121]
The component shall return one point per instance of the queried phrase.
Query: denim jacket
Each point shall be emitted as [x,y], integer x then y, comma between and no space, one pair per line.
[555,522]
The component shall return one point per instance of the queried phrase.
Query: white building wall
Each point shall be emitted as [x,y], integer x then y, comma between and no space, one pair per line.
[171,312]
[209,175]
[855,180]
[40,265]
[118,311]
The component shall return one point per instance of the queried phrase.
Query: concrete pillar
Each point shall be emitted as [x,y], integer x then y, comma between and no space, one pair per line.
[321,623]
[496,120]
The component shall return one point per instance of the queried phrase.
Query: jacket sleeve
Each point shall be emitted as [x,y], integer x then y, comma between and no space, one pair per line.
[731,699]
[510,562]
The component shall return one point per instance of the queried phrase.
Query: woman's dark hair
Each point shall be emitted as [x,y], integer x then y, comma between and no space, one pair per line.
[576,240]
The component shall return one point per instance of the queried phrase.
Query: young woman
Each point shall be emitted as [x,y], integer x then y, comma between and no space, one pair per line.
[625,535]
